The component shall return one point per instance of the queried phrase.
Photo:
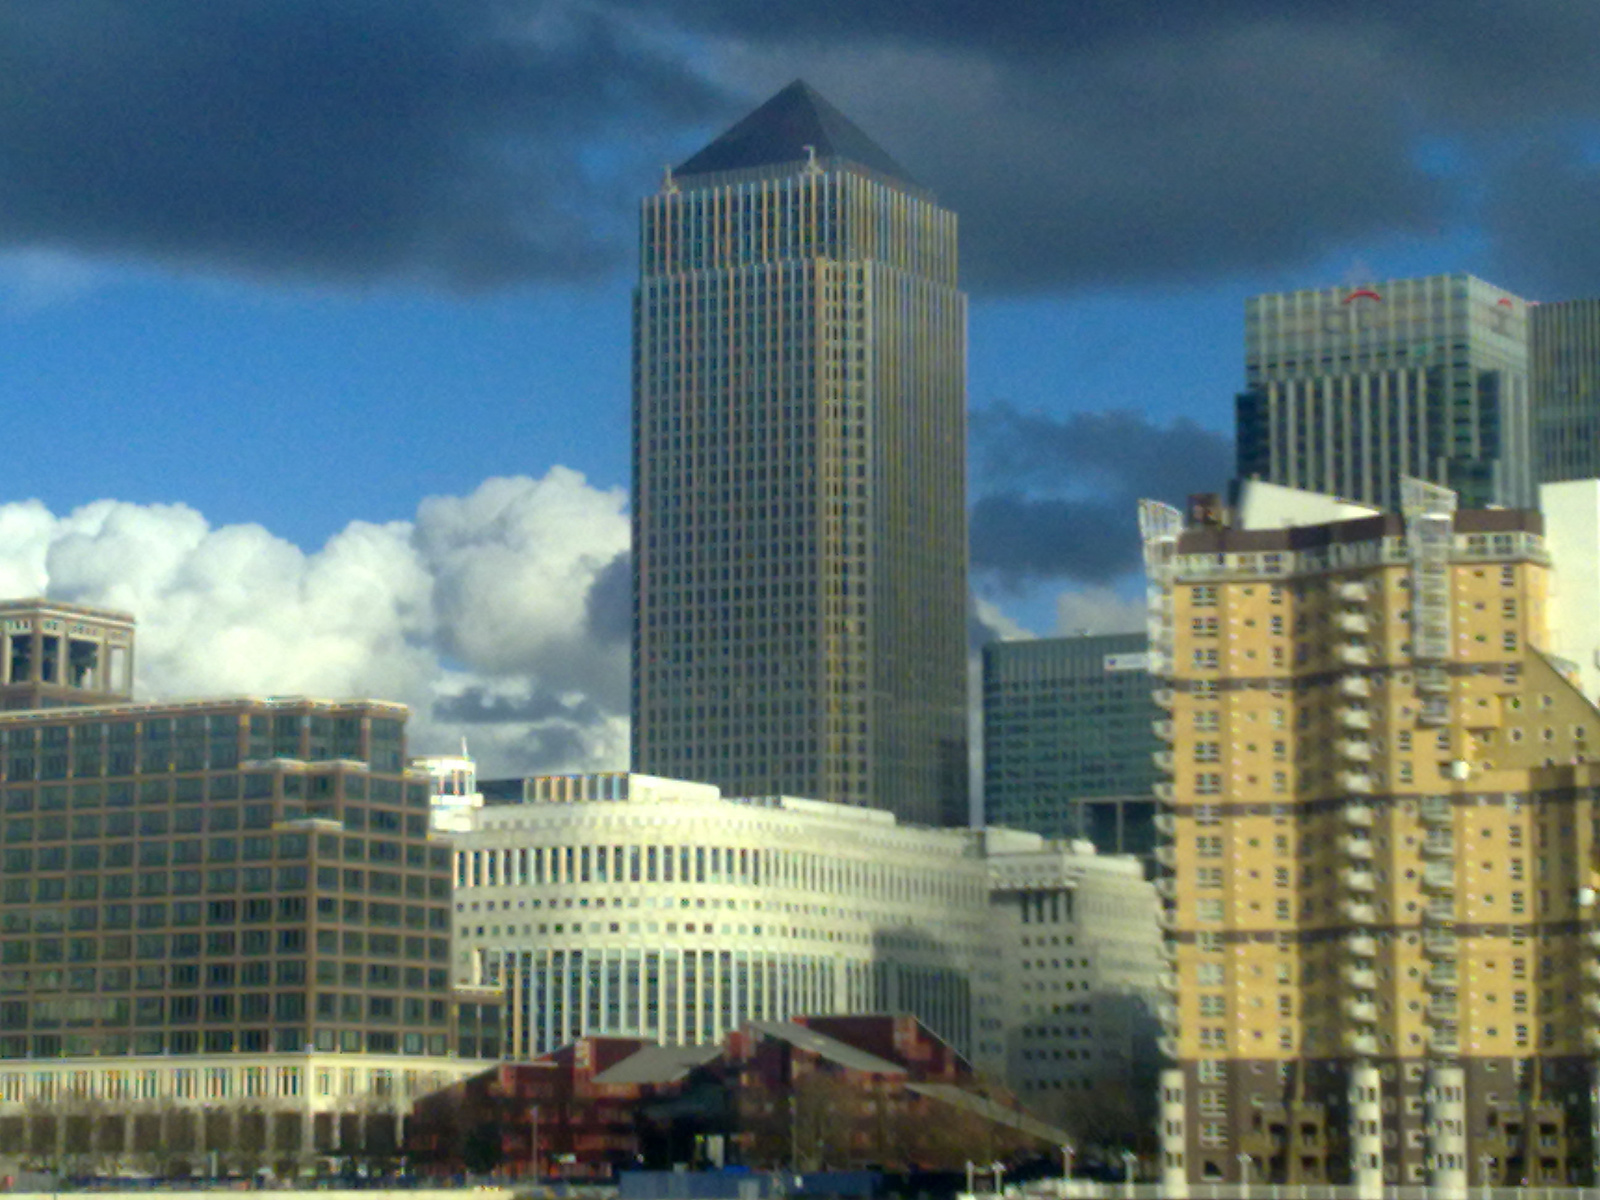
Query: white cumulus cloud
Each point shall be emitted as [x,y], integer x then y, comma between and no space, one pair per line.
[481,613]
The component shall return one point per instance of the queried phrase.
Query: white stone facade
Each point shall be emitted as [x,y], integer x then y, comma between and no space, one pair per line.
[634,905]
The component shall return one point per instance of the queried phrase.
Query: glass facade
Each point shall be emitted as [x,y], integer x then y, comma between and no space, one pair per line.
[1068,738]
[1565,351]
[1349,388]
[799,436]
[217,877]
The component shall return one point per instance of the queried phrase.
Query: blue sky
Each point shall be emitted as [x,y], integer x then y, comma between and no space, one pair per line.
[295,267]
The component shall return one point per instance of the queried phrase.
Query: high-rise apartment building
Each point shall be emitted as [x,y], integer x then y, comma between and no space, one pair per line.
[1564,349]
[1380,832]
[1068,739]
[799,500]
[1348,389]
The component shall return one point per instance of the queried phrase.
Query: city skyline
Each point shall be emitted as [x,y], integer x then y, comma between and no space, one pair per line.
[336,323]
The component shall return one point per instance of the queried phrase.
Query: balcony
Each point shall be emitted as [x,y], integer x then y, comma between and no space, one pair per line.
[1364,1012]
[1436,810]
[1352,622]
[1440,943]
[1363,979]
[1439,878]
[1591,1004]
[1352,717]
[1351,591]
[1162,788]
[1360,1042]
[1166,824]
[1164,697]
[1361,946]
[1355,686]
[1352,654]
[1167,981]
[1358,912]
[1164,729]
[1438,845]
[1167,856]
[1168,1047]
[1358,782]
[1354,749]
[1357,848]
[1167,887]
[1591,937]
[1360,816]
[1167,918]
[1442,1007]
[1358,880]
[1167,1014]
[1163,760]
[1443,1041]
[1442,976]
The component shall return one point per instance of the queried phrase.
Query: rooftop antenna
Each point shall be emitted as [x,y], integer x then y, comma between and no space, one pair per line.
[812,166]
[669,185]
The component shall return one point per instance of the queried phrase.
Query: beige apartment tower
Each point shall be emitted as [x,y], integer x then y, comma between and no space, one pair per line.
[1379,848]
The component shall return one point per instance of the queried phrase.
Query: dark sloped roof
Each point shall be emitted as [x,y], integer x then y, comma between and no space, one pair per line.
[658,1064]
[832,1049]
[781,129]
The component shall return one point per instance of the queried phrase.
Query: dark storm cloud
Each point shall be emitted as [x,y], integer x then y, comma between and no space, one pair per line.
[1139,140]
[449,140]
[473,141]
[1067,507]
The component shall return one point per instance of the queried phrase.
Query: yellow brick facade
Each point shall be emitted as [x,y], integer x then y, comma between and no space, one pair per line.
[1378,863]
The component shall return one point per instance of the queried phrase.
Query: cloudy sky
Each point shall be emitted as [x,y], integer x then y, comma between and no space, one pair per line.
[313,313]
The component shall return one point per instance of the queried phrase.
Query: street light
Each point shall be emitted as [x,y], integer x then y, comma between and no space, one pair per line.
[1244,1169]
[1129,1159]
[1486,1165]
[1066,1166]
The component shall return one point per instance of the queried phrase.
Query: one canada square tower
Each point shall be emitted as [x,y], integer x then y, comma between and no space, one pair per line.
[799,481]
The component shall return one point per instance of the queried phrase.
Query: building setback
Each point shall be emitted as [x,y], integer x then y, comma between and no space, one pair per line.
[1380,838]
[799,493]
[1347,389]
[1068,739]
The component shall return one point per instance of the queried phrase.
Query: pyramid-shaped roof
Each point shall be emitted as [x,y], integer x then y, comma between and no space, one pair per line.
[781,129]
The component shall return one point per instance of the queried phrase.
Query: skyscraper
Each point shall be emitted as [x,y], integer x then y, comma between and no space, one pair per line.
[1349,388]
[799,490]
[1565,352]
[1068,739]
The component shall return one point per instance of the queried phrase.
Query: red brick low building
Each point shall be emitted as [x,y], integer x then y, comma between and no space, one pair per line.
[813,1093]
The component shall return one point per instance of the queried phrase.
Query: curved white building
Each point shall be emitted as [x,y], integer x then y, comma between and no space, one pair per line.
[635,905]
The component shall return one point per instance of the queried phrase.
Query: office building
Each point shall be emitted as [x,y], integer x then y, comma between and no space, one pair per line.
[646,907]
[1068,739]
[799,497]
[1084,957]
[60,654]
[1564,354]
[1348,389]
[219,903]
[1379,832]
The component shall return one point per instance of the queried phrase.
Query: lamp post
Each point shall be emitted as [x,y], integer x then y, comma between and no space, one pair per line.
[1244,1170]
[1129,1161]
[1066,1167]
[1485,1166]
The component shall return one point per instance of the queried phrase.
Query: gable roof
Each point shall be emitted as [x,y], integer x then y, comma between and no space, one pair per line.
[659,1064]
[823,1046]
[781,129]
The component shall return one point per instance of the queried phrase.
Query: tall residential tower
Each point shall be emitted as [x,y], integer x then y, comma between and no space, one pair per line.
[1349,388]
[799,491]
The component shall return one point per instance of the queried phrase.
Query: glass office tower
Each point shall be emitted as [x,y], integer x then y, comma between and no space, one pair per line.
[1350,388]
[799,491]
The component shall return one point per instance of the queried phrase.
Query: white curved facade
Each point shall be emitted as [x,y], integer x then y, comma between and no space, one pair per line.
[634,905]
